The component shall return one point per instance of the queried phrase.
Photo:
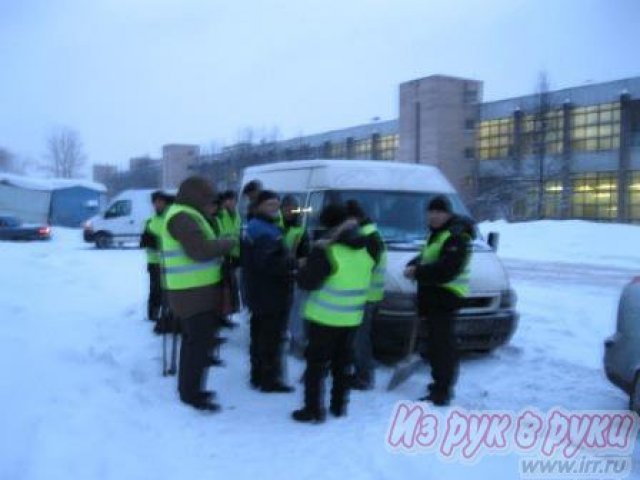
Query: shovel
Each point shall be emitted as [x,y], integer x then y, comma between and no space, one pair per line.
[410,363]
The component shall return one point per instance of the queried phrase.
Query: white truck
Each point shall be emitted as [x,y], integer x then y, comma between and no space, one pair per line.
[395,195]
[123,220]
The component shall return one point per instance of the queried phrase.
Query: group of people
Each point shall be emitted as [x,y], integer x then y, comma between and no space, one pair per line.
[197,250]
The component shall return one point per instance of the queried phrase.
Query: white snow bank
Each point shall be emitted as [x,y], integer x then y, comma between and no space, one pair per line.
[570,241]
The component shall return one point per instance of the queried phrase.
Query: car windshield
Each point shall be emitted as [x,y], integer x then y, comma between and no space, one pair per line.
[400,216]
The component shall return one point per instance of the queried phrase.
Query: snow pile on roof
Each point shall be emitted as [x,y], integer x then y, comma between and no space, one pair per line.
[48,184]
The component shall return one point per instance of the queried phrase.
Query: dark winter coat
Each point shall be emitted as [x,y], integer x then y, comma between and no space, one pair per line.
[192,301]
[267,267]
[375,243]
[453,257]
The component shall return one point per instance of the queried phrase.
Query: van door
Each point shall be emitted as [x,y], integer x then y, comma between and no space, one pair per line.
[118,219]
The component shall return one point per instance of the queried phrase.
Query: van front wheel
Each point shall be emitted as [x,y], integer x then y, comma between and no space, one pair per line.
[103,240]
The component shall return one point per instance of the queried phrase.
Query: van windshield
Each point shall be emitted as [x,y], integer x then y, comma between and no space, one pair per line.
[400,216]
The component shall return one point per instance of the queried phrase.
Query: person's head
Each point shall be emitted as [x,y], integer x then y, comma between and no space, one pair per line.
[355,210]
[332,215]
[268,204]
[439,211]
[290,208]
[252,189]
[229,200]
[196,192]
[160,201]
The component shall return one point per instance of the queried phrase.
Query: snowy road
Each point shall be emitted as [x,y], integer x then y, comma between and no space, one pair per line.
[82,396]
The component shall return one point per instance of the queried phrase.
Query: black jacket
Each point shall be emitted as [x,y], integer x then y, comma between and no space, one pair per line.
[318,267]
[267,267]
[375,243]
[453,257]
[148,239]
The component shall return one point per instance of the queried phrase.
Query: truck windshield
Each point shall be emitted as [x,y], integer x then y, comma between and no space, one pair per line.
[400,216]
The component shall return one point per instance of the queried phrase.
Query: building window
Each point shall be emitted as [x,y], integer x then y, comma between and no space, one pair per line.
[388,147]
[468,153]
[595,196]
[633,196]
[495,138]
[362,148]
[543,130]
[553,199]
[596,127]
[337,150]
[469,124]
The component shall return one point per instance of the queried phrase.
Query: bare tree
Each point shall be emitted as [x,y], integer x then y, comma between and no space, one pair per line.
[541,128]
[65,156]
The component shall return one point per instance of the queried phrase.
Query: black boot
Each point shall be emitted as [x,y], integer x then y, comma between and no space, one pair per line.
[276,387]
[338,410]
[437,398]
[306,415]
[206,405]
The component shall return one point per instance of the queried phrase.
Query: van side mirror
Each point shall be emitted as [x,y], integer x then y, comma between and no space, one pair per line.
[493,240]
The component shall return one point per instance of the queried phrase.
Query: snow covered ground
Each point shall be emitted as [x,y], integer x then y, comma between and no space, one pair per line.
[81,395]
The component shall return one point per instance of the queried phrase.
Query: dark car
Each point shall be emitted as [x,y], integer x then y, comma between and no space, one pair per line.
[11,228]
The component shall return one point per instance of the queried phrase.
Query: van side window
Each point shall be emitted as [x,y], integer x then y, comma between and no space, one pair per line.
[121,208]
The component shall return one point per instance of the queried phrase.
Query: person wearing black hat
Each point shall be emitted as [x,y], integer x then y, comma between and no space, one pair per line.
[442,273]
[150,241]
[268,270]
[251,191]
[337,276]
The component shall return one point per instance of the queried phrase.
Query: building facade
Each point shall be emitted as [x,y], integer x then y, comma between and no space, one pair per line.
[178,162]
[570,153]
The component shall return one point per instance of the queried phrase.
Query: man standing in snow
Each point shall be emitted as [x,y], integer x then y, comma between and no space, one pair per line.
[268,269]
[442,273]
[230,227]
[337,275]
[192,260]
[150,240]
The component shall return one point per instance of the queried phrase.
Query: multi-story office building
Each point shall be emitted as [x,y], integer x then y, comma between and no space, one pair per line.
[570,153]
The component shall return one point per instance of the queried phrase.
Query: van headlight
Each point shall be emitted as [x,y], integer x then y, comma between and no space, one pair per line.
[508,298]
[87,225]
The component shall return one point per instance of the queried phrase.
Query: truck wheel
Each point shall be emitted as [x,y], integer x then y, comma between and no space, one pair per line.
[103,240]
[634,397]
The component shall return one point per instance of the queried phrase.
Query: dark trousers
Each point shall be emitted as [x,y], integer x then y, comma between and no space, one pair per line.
[363,348]
[329,349]
[267,333]
[197,340]
[155,291]
[442,349]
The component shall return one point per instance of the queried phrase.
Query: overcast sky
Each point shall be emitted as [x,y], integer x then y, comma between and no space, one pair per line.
[132,75]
